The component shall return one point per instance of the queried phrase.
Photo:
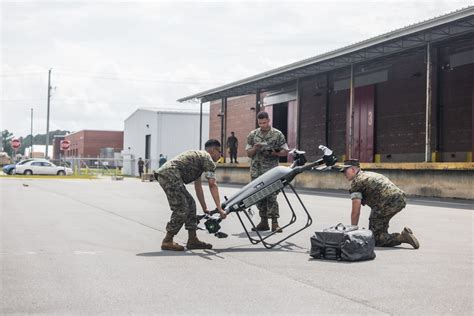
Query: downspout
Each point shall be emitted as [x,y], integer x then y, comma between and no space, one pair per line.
[221,115]
[327,111]
[298,114]
[428,105]
[200,125]
[257,107]
[224,144]
[351,114]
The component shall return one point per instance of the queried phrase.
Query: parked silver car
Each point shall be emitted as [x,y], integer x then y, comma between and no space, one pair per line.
[42,166]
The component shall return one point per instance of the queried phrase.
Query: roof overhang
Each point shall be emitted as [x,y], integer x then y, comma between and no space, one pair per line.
[453,24]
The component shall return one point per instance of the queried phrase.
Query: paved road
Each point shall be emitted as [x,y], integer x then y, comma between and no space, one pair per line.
[93,246]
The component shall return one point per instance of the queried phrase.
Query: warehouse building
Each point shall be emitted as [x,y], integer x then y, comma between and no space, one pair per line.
[403,96]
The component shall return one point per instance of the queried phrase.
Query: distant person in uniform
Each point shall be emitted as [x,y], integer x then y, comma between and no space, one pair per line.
[385,200]
[162,160]
[141,164]
[265,146]
[173,176]
[232,144]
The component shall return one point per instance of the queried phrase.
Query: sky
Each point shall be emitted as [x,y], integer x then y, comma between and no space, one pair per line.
[108,58]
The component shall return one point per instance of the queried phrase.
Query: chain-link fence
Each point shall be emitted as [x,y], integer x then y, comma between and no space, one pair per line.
[92,166]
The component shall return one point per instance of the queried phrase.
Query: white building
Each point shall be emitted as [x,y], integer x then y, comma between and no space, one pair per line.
[149,132]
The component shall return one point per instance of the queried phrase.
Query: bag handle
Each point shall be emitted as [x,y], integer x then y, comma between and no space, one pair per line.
[340,225]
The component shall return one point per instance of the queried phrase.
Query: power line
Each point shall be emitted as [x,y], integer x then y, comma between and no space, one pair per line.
[162,81]
[80,102]
[21,74]
[114,75]
[20,100]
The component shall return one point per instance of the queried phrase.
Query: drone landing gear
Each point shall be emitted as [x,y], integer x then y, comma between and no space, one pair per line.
[263,239]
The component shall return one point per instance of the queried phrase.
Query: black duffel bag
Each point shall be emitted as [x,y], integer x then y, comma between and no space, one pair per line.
[340,242]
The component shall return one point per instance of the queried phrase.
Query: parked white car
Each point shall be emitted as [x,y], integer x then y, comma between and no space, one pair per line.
[42,166]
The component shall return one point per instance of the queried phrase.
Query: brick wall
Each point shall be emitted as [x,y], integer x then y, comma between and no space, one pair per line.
[88,143]
[456,102]
[240,120]
[313,116]
[399,108]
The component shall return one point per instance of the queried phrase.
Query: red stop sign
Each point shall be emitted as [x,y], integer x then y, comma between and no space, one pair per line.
[65,144]
[16,143]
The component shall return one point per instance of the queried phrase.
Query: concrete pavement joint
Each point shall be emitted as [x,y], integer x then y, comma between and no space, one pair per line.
[358,301]
[102,209]
[311,285]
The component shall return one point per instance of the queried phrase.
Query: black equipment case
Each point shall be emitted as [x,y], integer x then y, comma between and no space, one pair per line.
[348,243]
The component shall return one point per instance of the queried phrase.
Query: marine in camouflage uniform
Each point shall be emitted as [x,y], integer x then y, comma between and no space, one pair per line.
[173,176]
[264,146]
[385,200]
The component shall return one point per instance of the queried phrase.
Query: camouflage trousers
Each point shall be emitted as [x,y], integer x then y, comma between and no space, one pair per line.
[268,207]
[379,222]
[182,204]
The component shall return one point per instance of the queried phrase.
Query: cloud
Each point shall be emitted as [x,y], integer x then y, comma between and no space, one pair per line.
[110,57]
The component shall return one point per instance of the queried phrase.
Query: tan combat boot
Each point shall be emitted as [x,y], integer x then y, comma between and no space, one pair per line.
[406,236]
[262,226]
[195,243]
[168,243]
[275,227]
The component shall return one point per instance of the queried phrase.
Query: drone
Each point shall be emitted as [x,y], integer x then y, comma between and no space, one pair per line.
[273,181]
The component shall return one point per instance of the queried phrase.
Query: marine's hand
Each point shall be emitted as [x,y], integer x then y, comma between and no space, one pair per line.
[275,152]
[207,212]
[222,213]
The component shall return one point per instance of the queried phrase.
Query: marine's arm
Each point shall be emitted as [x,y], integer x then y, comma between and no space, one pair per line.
[215,195]
[200,194]
[252,147]
[355,213]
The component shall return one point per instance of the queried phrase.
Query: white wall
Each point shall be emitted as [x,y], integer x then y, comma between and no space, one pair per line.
[180,132]
[135,130]
[171,133]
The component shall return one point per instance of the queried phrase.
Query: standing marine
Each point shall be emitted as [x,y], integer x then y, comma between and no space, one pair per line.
[265,146]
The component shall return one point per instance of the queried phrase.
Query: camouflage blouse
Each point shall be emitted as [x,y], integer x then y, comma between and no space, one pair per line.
[263,160]
[374,189]
[190,165]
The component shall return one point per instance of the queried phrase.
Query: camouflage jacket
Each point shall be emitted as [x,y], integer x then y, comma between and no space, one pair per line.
[190,165]
[263,160]
[374,189]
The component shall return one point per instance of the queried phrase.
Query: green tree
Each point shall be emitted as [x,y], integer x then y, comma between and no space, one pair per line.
[6,139]
[39,139]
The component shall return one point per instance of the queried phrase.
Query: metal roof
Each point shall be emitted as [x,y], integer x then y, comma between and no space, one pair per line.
[168,111]
[456,23]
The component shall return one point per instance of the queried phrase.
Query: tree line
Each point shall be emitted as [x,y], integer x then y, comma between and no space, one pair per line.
[38,139]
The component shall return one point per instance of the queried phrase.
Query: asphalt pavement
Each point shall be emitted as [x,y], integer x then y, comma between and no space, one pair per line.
[93,247]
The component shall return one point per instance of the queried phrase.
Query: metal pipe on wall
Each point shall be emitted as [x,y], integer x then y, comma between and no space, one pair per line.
[257,107]
[428,104]
[327,112]
[298,114]
[221,115]
[200,126]
[224,144]
[351,114]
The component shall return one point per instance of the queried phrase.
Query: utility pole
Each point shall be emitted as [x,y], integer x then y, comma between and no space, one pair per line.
[47,116]
[31,134]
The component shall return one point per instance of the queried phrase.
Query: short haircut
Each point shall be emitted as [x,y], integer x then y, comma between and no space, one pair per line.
[262,115]
[212,143]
